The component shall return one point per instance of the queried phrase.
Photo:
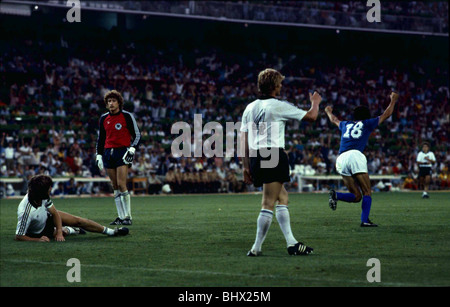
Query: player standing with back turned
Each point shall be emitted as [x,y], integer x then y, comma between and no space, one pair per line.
[351,162]
[262,130]
[118,139]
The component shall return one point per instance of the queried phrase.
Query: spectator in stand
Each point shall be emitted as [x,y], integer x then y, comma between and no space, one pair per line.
[59,190]
[214,180]
[9,153]
[70,187]
[171,180]
[444,179]
[154,183]
[25,153]
[410,183]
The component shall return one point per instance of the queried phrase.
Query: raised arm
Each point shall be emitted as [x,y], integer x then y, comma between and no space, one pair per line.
[390,109]
[312,114]
[333,119]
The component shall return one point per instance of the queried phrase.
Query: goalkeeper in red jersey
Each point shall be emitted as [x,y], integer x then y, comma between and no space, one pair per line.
[117,142]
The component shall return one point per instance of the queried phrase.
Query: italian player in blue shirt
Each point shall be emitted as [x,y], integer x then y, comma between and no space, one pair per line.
[351,163]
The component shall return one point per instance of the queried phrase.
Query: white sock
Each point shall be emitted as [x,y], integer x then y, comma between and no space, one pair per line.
[108,231]
[119,206]
[262,227]
[126,203]
[284,220]
[71,230]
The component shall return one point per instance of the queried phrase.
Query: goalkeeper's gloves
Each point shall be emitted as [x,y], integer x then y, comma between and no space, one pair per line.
[129,155]
[99,161]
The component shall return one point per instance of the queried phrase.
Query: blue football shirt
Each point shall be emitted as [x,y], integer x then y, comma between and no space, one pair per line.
[355,134]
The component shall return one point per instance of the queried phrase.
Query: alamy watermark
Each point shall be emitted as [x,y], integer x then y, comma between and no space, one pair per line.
[374,274]
[263,140]
[74,274]
[74,14]
[374,14]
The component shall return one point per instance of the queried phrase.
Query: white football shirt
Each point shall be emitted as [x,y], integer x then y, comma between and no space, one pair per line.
[265,121]
[31,219]
[421,158]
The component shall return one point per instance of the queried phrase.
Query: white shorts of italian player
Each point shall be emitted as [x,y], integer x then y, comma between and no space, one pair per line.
[351,162]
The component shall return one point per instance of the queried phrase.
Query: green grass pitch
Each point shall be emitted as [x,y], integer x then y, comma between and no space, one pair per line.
[202,240]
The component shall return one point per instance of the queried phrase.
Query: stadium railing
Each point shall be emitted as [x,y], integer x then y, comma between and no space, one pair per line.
[17,182]
[59,179]
[303,179]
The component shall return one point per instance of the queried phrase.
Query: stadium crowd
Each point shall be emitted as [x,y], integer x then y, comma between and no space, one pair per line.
[422,16]
[49,122]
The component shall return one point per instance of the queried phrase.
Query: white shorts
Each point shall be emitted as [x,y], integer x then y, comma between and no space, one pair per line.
[351,162]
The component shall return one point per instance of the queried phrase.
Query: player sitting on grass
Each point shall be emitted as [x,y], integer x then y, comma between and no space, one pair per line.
[38,219]
[351,162]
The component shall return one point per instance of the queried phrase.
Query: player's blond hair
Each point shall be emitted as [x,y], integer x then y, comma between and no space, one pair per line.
[268,80]
[114,94]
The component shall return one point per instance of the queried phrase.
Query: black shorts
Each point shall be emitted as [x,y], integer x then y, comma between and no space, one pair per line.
[278,173]
[113,157]
[424,171]
[48,231]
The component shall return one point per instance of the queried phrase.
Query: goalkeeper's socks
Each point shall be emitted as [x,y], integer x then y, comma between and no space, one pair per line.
[126,203]
[119,206]
[366,204]
[262,227]
[347,197]
[284,220]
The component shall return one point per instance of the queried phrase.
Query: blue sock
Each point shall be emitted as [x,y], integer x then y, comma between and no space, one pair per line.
[348,197]
[366,204]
